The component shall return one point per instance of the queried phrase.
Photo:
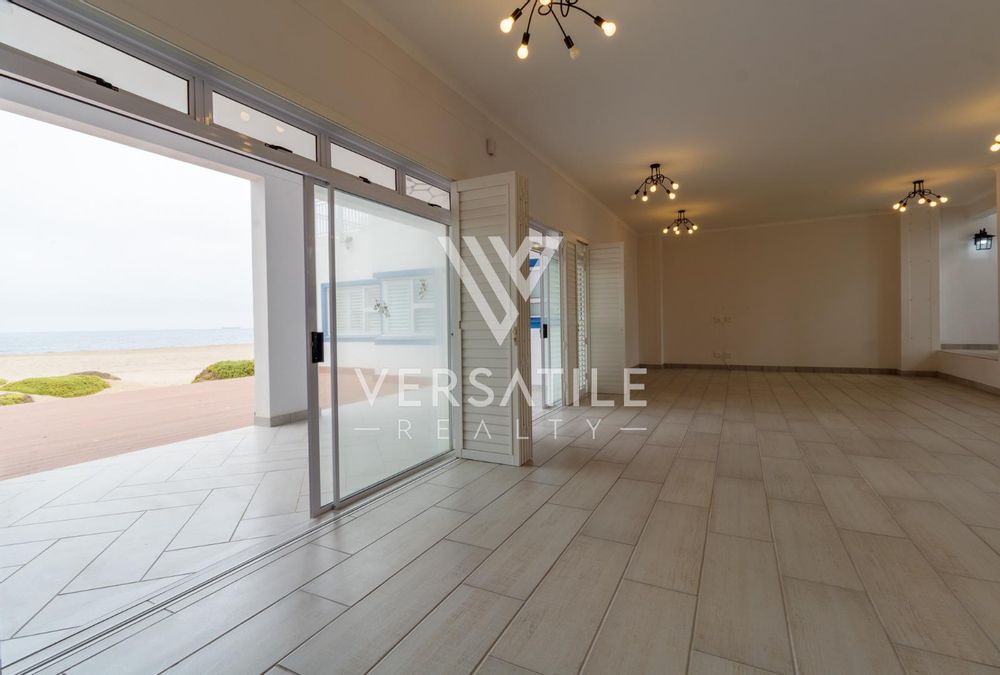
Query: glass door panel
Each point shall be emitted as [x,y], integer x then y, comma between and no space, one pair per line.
[321,423]
[552,336]
[390,304]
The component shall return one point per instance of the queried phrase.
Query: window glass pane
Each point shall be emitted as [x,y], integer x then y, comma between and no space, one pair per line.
[426,192]
[351,162]
[63,46]
[246,120]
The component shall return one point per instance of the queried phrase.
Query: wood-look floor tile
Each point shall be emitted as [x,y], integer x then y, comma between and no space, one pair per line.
[454,637]
[491,526]
[778,444]
[855,506]
[982,599]
[362,635]
[835,630]
[652,463]
[738,461]
[587,487]
[789,479]
[889,479]
[915,606]
[965,500]
[919,662]
[740,612]
[647,630]
[949,546]
[554,629]
[689,482]
[809,546]
[622,513]
[562,466]
[827,458]
[670,549]
[486,488]
[739,508]
[708,664]
[519,564]
[354,578]
[257,644]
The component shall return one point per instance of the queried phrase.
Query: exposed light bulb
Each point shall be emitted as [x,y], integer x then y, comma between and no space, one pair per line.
[645,197]
[933,203]
[522,52]
[544,3]
[997,138]
[944,200]
[921,201]
[902,209]
[609,28]
[652,188]
[673,196]
[896,206]
[996,146]
[507,24]
[574,53]
[666,230]
[694,227]
[633,197]
[675,186]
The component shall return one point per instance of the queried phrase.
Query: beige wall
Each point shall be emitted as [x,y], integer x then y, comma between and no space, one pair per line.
[339,66]
[817,293]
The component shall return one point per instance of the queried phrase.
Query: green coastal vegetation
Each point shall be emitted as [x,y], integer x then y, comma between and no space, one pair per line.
[13,398]
[226,370]
[61,386]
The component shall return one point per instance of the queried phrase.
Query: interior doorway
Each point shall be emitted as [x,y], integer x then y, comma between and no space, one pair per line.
[548,362]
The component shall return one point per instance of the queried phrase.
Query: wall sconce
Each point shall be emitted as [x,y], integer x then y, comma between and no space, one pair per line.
[983,240]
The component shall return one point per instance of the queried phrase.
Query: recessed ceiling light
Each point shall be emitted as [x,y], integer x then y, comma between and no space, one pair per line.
[244,115]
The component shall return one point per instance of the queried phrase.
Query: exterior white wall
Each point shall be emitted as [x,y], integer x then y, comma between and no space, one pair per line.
[968,278]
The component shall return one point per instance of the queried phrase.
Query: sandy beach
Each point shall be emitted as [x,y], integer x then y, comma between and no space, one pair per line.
[137,368]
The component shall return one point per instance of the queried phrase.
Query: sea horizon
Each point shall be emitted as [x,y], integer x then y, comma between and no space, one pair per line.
[44,342]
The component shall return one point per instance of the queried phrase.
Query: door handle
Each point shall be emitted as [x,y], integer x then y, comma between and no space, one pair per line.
[545,331]
[316,343]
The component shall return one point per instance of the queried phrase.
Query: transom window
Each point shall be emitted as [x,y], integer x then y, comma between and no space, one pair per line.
[275,133]
[46,39]
[426,192]
[358,165]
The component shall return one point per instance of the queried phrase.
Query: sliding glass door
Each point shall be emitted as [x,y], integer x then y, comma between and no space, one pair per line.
[381,285]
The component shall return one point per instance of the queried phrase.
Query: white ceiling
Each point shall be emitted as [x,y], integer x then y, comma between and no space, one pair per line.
[763,110]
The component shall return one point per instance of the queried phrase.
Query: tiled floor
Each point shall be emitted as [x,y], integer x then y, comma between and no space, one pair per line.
[763,523]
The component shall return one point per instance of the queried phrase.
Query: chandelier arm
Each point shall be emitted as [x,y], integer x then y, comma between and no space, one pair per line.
[571,5]
[558,23]
[531,15]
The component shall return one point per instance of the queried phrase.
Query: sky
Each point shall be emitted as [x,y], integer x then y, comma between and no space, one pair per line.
[96,235]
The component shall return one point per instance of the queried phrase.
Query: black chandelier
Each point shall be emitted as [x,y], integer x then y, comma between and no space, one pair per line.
[555,9]
[680,221]
[653,182]
[922,195]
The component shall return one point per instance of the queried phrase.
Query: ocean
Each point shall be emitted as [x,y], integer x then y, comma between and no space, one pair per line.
[90,341]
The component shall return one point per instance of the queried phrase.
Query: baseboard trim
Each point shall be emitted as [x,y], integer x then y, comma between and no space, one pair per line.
[279,420]
[988,388]
[792,369]
[968,345]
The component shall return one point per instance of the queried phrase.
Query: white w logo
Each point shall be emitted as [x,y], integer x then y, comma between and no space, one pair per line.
[500,327]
